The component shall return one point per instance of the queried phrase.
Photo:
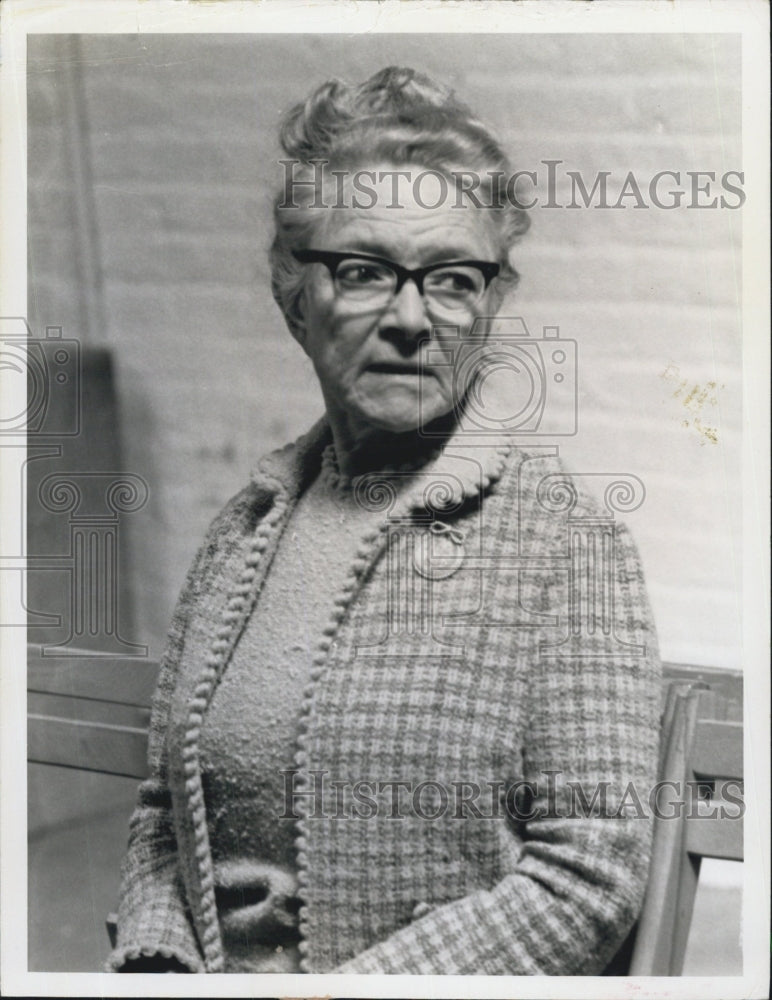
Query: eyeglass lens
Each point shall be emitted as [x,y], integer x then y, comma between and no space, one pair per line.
[451,287]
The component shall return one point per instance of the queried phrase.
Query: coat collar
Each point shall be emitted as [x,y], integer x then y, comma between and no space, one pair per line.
[464,468]
[290,469]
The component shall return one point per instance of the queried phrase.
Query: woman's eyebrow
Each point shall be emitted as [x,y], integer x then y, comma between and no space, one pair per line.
[434,255]
[454,252]
[367,246]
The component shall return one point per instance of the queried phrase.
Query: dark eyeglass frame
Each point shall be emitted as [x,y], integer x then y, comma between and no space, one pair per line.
[332,258]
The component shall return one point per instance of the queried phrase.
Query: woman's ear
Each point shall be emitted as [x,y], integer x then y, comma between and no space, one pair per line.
[499,294]
[296,320]
[493,303]
[298,331]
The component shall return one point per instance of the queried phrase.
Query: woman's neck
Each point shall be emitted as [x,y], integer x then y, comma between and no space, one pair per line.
[357,454]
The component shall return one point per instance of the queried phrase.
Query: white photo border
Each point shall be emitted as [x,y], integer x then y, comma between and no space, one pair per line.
[751,19]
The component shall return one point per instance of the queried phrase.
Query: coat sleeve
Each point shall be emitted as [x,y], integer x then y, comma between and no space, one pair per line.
[571,898]
[155,931]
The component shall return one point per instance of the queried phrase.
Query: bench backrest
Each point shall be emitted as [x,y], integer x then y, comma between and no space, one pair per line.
[89,712]
[699,816]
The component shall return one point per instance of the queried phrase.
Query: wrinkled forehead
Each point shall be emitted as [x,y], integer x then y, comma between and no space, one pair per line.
[402,212]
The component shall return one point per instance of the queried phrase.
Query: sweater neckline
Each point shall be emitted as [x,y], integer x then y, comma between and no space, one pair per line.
[460,470]
[337,481]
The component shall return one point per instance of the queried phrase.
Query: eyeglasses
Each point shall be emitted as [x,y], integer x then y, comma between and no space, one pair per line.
[374,281]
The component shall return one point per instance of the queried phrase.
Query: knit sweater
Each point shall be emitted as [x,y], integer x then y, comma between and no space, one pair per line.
[493,638]
[249,733]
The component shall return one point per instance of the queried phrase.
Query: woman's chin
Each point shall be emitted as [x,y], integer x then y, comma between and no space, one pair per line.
[401,413]
[401,422]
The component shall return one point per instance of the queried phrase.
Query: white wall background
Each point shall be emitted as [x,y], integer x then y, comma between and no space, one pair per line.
[152,159]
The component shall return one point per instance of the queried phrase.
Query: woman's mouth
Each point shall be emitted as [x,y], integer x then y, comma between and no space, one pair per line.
[397,368]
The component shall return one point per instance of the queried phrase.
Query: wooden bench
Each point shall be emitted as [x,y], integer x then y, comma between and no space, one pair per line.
[701,751]
[89,713]
[92,714]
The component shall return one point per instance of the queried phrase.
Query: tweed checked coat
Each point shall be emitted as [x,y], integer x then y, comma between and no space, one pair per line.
[493,640]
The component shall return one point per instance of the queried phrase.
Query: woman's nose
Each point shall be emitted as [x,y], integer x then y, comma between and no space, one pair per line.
[407,312]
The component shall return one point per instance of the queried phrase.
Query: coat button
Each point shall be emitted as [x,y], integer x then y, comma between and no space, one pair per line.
[420,910]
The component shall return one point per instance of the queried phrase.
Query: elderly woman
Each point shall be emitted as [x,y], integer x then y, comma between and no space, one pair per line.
[388,735]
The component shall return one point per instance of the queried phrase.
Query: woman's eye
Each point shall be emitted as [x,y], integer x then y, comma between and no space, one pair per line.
[361,274]
[454,281]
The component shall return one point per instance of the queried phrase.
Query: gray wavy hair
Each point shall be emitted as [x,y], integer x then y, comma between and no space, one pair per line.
[397,116]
